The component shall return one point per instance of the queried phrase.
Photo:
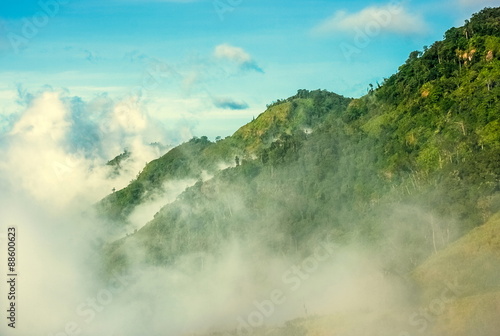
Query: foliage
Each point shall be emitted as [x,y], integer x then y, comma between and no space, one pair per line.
[319,163]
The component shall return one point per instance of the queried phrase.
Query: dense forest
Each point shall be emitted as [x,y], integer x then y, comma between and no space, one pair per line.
[407,170]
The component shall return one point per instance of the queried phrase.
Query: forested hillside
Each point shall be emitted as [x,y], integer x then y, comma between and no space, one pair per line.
[404,171]
[429,136]
[295,116]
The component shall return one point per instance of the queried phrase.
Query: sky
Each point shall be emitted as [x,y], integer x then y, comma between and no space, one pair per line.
[205,67]
[82,80]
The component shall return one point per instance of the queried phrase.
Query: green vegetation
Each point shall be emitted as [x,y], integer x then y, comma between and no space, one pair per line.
[472,264]
[295,116]
[479,250]
[405,170]
[117,162]
[319,162]
[185,161]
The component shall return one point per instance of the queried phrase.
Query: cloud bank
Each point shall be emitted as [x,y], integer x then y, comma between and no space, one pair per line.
[51,176]
[59,141]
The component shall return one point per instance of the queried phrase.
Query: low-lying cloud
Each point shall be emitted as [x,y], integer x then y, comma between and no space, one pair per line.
[56,150]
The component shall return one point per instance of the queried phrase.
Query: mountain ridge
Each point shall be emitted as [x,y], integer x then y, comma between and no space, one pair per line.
[421,140]
[409,172]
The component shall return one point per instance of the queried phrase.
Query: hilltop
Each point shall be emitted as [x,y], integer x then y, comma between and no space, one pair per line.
[409,172]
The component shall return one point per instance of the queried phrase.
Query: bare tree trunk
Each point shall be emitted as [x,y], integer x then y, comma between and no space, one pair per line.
[433,234]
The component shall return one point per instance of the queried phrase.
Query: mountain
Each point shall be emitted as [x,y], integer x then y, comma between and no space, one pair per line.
[459,295]
[472,262]
[295,115]
[409,172]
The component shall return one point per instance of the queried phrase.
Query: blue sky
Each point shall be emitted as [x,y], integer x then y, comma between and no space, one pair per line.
[208,65]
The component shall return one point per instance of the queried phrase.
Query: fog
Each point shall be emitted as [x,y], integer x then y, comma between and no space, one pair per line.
[50,179]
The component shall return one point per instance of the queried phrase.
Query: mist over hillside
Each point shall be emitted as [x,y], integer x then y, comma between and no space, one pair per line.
[325,215]
[389,180]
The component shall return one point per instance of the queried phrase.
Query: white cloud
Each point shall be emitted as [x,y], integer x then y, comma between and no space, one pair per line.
[48,118]
[145,212]
[237,55]
[56,151]
[389,18]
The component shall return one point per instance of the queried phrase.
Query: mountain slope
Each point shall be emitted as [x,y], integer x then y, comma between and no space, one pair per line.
[403,172]
[478,251]
[298,114]
[459,291]
[473,265]
[400,143]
